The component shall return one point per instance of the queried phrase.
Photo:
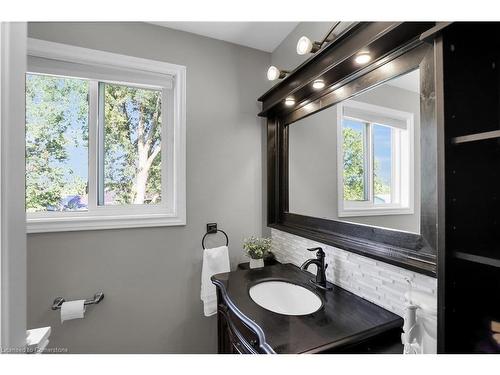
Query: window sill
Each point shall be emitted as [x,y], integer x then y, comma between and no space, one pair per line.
[375,212]
[88,222]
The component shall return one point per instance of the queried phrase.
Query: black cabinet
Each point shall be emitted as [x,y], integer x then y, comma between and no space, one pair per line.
[384,343]
[469,273]
[234,337]
[345,324]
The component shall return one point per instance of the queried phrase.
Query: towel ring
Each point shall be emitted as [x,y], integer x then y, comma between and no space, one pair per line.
[212,229]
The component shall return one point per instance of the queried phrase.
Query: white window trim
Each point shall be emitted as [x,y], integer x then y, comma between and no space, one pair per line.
[12,232]
[370,209]
[169,213]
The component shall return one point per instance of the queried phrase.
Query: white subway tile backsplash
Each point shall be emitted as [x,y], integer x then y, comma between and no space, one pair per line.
[373,280]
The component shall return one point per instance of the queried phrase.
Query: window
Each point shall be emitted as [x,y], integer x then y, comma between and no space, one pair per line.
[105,140]
[131,169]
[56,143]
[375,160]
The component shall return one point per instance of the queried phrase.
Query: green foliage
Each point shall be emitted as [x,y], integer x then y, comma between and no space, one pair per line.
[353,165]
[53,105]
[257,248]
[132,134]
[354,168]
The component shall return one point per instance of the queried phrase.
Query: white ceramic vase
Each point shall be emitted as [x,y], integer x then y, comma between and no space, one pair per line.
[256,263]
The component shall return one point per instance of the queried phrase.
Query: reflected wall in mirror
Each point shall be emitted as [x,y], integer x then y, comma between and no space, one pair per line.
[359,160]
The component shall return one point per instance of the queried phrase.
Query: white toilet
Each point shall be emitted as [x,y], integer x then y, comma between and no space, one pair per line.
[420,326]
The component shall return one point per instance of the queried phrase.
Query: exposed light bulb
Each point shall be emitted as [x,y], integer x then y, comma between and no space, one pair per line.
[362,58]
[318,84]
[273,73]
[304,45]
[289,101]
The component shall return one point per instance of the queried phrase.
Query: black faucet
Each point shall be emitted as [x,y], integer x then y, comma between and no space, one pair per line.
[321,268]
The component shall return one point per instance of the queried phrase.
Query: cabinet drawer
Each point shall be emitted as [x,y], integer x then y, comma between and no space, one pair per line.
[245,332]
[241,339]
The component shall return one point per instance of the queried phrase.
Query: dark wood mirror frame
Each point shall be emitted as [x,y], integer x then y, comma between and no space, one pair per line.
[396,49]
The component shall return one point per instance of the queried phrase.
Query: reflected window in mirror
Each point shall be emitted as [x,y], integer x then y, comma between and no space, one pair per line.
[375,160]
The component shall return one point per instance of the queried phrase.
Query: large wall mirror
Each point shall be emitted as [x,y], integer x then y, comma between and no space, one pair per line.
[357,166]
[359,160]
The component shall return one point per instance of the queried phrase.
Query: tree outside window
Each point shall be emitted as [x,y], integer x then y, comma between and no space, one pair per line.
[57,144]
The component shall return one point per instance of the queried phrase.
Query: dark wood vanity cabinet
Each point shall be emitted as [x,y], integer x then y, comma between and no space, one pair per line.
[345,323]
[234,340]
[234,337]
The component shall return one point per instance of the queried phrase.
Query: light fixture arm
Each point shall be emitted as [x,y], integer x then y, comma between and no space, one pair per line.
[327,39]
[306,45]
[283,73]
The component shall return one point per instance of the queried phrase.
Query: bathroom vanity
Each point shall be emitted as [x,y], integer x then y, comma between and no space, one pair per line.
[355,150]
[344,323]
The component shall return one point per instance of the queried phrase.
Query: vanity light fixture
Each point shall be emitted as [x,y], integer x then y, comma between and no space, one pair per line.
[306,45]
[318,84]
[289,101]
[362,58]
[274,73]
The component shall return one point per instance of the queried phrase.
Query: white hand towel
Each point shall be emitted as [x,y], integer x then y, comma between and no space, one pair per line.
[215,261]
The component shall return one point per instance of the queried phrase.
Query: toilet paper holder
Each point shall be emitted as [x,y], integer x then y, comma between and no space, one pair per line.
[98,297]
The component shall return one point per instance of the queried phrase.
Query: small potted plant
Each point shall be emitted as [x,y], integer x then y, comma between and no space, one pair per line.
[257,249]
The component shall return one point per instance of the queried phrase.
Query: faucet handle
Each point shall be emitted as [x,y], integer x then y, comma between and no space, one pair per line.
[315,249]
[319,252]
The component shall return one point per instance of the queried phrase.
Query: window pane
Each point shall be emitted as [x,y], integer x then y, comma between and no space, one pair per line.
[353,133]
[132,143]
[56,143]
[382,164]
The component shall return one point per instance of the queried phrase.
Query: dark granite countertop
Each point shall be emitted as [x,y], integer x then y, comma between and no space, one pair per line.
[345,319]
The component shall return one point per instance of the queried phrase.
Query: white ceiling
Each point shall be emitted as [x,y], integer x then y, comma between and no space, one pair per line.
[265,36]
[409,81]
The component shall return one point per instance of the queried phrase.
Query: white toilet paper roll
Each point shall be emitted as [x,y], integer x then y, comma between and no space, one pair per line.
[72,310]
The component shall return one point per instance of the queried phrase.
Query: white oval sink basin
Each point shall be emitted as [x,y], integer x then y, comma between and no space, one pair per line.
[285,298]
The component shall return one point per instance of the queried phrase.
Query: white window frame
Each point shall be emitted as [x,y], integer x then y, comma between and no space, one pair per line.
[403,164]
[171,210]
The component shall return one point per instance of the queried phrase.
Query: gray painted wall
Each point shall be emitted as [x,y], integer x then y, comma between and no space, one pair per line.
[313,142]
[151,276]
